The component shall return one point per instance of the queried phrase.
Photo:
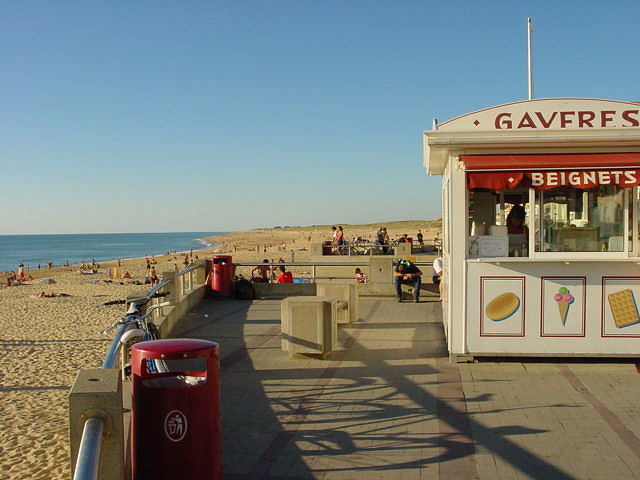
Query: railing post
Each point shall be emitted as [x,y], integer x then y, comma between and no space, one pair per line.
[172,288]
[97,393]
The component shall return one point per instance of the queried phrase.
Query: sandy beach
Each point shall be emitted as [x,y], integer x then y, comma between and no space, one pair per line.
[45,341]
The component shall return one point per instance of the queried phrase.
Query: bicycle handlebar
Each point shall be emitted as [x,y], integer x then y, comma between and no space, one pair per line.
[129,319]
[146,298]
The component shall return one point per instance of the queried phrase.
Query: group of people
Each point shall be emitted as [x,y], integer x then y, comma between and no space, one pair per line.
[15,279]
[265,273]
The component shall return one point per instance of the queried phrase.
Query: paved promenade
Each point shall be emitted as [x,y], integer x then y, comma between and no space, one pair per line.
[389,405]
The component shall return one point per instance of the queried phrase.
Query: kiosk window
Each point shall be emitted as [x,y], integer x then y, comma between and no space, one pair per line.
[581,220]
[498,222]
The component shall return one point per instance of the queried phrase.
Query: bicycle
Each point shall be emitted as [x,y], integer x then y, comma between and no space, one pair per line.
[138,328]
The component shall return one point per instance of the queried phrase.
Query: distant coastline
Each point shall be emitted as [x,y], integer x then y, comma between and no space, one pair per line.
[59,249]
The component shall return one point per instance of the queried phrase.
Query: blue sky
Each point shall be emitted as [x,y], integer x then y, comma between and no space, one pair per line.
[147,116]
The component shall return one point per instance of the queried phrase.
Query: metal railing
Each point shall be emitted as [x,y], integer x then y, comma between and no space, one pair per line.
[374,248]
[349,263]
[86,467]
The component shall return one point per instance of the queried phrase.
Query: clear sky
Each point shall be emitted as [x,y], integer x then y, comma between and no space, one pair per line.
[151,116]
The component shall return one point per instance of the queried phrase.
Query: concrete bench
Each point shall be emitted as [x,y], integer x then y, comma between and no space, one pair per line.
[346,295]
[308,325]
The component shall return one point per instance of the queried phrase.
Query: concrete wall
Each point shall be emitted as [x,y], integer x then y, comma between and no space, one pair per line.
[283,290]
[185,293]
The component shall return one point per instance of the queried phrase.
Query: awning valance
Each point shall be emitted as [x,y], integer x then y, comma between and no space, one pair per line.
[551,161]
[547,171]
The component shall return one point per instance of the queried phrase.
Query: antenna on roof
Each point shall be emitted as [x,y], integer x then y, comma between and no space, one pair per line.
[529,30]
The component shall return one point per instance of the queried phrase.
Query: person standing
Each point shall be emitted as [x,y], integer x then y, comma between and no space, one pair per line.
[385,240]
[407,273]
[21,271]
[420,238]
[339,240]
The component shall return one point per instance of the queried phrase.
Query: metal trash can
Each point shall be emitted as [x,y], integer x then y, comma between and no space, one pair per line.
[222,274]
[175,414]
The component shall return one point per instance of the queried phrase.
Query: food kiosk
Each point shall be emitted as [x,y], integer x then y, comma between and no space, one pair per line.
[540,220]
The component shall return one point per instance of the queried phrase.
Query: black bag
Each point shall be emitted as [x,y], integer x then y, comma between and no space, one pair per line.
[243,290]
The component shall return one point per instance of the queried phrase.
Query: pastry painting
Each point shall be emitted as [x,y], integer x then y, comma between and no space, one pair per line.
[563,307]
[620,316]
[502,301]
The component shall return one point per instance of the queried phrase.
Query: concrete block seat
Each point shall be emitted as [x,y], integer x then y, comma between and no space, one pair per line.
[346,294]
[308,325]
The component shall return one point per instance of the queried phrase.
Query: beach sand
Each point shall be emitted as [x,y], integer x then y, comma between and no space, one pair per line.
[45,341]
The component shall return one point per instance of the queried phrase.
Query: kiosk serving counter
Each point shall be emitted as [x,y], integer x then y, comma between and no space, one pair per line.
[541,246]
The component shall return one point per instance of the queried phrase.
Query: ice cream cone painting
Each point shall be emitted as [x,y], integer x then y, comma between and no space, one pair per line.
[563,299]
[563,307]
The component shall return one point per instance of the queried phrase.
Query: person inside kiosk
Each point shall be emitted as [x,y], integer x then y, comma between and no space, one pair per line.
[563,219]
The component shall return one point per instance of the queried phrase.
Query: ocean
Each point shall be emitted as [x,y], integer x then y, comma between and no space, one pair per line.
[32,250]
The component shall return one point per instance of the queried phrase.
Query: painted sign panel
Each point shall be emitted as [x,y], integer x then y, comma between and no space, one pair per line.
[549,114]
[502,306]
[563,303]
[620,316]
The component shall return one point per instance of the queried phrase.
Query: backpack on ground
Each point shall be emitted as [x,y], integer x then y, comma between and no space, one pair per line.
[243,290]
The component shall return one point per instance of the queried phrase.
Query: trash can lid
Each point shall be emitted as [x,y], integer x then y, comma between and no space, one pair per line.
[174,345]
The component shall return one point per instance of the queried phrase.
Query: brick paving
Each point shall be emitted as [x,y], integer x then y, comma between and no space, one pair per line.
[388,404]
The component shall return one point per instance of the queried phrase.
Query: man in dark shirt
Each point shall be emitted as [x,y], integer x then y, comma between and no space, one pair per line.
[407,273]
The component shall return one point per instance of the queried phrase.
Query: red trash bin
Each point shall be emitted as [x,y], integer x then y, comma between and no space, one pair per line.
[175,416]
[222,274]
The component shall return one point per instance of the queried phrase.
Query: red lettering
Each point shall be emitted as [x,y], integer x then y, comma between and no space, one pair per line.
[545,123]
[606,117]
[585,119]
[633,122]
[526,122]
[503,121]
[564,120]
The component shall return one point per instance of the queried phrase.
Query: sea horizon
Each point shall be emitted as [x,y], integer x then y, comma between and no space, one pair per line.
[77,248]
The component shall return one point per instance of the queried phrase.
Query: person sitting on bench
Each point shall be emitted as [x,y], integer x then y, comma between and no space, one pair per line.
[407,273]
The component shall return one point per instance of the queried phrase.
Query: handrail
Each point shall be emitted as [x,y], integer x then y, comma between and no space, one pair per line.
[114,349]
[316,264]
[89,451]
[86,467]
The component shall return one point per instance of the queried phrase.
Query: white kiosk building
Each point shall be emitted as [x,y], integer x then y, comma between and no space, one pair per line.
[560,276]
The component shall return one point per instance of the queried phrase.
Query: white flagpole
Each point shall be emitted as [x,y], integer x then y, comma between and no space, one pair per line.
[529,30]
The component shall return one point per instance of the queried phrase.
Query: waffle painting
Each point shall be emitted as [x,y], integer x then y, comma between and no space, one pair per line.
[620,309]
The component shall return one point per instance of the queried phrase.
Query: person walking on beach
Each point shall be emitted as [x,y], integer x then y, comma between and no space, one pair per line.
[21,271]
[420,238]
[153,277]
